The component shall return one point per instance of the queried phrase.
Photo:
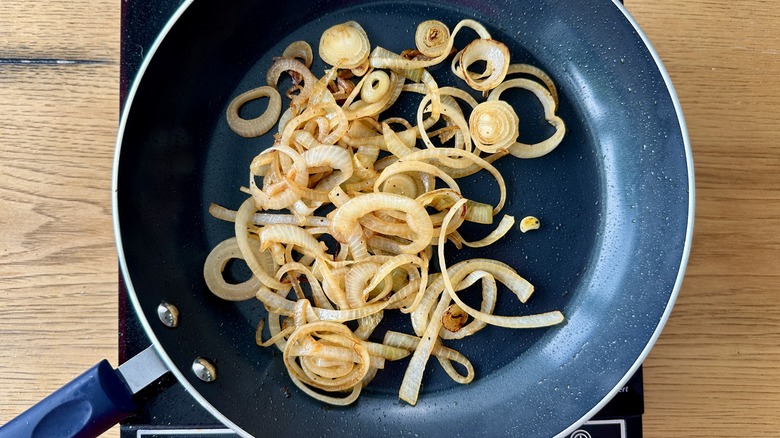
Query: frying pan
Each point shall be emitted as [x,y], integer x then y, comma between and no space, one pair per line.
[615,199]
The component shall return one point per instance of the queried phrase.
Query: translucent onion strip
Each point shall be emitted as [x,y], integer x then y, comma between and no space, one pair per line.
[524,321]
[500,231]
[261,124]
[350,398]
[405,166]
[299,50]
[286,307]
[428,154]
[379,98]
[382,58]
[243,215]
[494,54]
[445,355]
[318,295]
[226,214]
[410,386]
[542,148]
[345,218]
[538,320]
[537,73]
[494,125]
[215,264]
[376,85]
[457,118]
[479,213]
[278,194]
[431,38]
[294,67]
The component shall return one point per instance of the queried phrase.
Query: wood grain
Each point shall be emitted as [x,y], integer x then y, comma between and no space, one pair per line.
[716,368]
[74,30]
[58,268]
[58,265]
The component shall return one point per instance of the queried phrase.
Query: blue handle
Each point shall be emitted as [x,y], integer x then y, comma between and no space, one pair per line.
[86,407]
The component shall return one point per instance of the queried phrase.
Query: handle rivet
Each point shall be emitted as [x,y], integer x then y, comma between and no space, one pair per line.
[168,314]
[204,370]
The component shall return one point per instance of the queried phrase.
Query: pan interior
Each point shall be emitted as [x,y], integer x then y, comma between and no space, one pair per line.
[613,201]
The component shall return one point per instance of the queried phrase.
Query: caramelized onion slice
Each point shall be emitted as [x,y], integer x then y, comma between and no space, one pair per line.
[387,215]
[215,264]
[345,218]
[494,54]
[261,124]
[344,45]
[522,150]
[299,50]
[431,38]
[494,125]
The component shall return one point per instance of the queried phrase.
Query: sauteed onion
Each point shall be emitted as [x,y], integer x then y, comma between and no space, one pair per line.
[347,209]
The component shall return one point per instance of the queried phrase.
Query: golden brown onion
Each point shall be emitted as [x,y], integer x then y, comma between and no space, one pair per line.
[387,214]
[299,50]
[261,124]
[345,218]
[529,223]
[383,58]
[495,54]
[521,150]
[348,358]
[293,66]
[376,85]
[217,261]
[536,73]
[344,45]
[494,125]
[431,38]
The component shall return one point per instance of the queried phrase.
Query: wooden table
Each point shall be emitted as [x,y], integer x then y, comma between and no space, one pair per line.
[716,368]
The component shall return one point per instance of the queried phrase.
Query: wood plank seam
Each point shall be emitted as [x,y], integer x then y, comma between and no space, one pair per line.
[51,61]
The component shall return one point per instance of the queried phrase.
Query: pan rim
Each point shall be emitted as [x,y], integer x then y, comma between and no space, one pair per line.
[118,235]
[688,231]
[226,421]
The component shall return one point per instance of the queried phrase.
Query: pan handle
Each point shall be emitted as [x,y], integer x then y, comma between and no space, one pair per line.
[90,404]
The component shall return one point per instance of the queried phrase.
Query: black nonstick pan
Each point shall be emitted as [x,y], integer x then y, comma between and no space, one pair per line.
[615,200]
